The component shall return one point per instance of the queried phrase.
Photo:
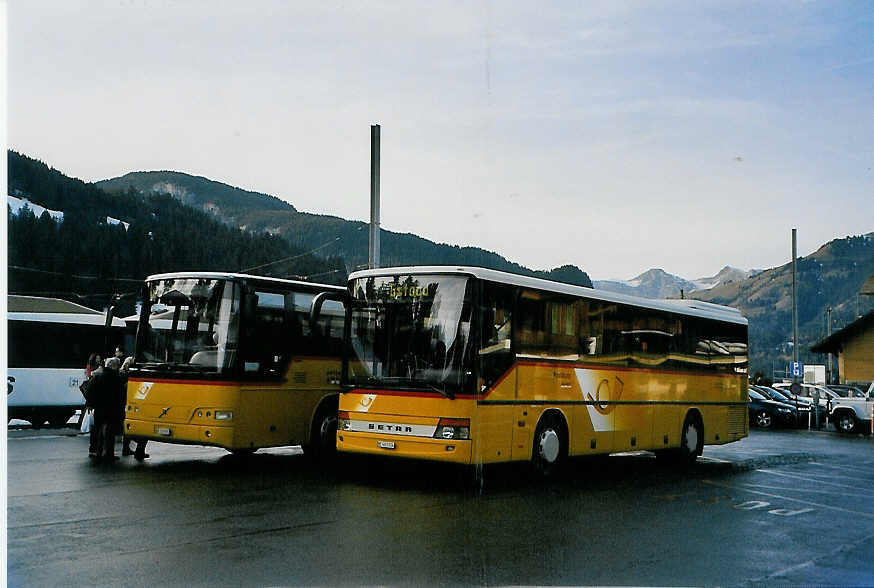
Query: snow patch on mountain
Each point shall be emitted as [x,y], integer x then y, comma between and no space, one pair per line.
[18,204]
[657,283]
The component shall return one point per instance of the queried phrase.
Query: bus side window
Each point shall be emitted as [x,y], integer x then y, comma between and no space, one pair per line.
[325,338]
[496,315]
[267,349]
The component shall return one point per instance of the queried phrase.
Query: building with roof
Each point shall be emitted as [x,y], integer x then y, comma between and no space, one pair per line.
[854,347]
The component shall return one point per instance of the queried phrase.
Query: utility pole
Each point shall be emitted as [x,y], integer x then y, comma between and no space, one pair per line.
[829,379]
[373,257]
[794,298]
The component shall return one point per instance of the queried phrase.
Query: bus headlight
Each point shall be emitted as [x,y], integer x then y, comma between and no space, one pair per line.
[452,429]
[224,415]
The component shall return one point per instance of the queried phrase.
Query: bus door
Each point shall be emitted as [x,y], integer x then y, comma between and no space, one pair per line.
[495,435]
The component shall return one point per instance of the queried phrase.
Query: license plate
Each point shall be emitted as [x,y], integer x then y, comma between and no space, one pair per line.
[163,431]
[385,444]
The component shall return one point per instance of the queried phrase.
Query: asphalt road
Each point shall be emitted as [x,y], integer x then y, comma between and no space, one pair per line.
[780,507]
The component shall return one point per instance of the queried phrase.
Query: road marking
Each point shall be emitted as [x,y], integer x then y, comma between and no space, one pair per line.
[782,512]
[806,564]
[836,476]
[809,479]
[752,505]
[829,492]
[805,502]
[843,467]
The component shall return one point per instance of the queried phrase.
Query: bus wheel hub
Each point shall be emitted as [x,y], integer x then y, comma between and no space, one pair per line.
[549,445]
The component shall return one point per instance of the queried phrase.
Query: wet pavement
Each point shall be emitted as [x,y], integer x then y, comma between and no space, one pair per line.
[780,507]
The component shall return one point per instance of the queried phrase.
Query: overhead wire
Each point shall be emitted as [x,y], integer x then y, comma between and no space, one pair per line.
[299,255]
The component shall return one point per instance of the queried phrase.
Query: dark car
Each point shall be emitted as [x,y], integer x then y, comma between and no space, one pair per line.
[802,414]
[766,413]
[805,397]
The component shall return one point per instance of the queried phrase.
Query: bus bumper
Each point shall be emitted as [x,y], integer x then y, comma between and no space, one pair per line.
[455,451]
[180,433]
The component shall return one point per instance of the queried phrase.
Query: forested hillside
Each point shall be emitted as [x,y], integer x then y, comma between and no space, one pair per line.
[831,276]
[86,259]
[329,235]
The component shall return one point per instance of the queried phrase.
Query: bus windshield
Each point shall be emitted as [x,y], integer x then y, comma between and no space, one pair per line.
[410,331]
[189,325]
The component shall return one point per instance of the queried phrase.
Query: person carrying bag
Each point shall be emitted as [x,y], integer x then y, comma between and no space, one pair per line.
[86,388]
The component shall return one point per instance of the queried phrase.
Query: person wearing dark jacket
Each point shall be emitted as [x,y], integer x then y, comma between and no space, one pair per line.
[104,396]
[94,363]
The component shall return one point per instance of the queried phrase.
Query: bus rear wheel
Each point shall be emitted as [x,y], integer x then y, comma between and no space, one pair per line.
[692,440]
[550,446]
[60,418]
[37,419]
[243,452]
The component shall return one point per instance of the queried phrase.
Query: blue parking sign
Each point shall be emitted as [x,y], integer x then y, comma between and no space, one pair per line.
[797,369]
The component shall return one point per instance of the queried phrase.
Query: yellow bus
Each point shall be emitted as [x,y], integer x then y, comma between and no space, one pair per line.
[236,361]
[476,366]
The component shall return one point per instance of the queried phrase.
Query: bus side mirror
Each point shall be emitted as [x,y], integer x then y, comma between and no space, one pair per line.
[318,301]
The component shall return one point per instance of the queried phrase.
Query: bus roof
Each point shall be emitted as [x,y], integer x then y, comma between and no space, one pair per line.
[686,306]
[54,310]
[69,318]
[235,276]
[17,303]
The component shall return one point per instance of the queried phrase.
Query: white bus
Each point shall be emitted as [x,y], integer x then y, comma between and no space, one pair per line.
[49,341]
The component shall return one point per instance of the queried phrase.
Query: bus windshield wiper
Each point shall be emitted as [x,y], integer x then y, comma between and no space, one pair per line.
[373,381]
[170,367]
[443,391]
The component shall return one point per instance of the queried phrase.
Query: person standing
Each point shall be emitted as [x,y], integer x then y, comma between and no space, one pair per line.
[140,452]
[104,395]
[94,363]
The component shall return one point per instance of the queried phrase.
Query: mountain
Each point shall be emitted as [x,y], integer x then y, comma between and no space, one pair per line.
[231,205]
[328,235]
[91,247]
[830,277]
[657,283]
[726,275]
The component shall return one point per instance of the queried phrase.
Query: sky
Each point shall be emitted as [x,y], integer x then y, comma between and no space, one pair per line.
[615,136]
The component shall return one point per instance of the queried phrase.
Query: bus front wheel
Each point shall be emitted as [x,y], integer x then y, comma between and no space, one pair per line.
[550,446]
[323,438]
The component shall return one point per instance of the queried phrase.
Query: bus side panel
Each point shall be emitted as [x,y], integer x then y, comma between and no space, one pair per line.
[264,417]
[274,415]
[729,423]
[494,435]
[664,390]
[44,387]
[593,421]
[310,379]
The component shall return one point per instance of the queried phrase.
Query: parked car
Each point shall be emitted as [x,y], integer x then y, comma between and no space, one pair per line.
[846,391]
[805,398]
[811,391]
[853,414]
[802,409]
[767,413]
[849,415]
